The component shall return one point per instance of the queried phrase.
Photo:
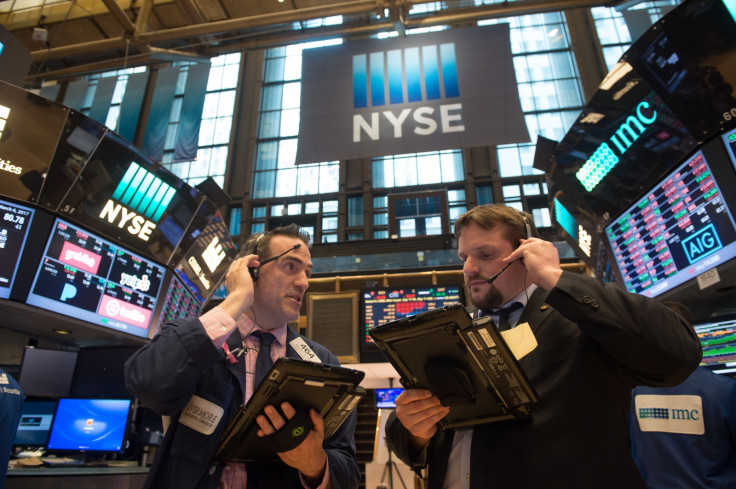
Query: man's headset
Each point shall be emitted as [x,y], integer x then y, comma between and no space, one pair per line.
[528,226]
[251,248]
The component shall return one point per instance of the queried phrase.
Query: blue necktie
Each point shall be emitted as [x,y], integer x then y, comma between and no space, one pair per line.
[263,360]
[505,312]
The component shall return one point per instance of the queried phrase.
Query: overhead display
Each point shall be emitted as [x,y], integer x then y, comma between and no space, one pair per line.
[14,225]
[718,339]
[207,260]
[84,276]
[178,302]
[122,194]
[24,155]
[680,229]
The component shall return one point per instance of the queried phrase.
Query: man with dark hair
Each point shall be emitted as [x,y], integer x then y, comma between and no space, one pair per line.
[191,367]
[685,436]
[594,343]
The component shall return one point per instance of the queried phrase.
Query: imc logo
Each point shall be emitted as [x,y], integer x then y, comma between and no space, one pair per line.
[400,76]
[605,157]
[701,244]
[143,196]
[669,413]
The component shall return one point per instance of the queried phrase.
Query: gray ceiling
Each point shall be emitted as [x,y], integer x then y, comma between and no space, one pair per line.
[99,35]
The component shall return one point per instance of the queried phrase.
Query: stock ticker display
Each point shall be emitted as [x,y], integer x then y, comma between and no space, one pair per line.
[718,338]
[381,306]
[84,276]
[677,231]
[14,224]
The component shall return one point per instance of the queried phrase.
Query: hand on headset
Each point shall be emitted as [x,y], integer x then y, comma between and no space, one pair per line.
[239,285]
[541,260]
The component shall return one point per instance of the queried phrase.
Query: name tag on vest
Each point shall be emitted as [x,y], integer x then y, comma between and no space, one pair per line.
[201,415]
[670,414]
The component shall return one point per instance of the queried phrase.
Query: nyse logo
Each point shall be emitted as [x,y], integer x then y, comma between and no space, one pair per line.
[213,254]
[702,243]
[142,197]
[402,76]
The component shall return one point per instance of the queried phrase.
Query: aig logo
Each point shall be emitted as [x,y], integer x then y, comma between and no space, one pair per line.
[701,244]
[400,76]
[144,199]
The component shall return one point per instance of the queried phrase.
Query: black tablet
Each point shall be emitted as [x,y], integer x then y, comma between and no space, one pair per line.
[464,362]
[331,390]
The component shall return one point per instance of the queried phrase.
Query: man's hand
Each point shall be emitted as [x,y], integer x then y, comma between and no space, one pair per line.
[541,260]
[239,285]
[309,458]
[419,411]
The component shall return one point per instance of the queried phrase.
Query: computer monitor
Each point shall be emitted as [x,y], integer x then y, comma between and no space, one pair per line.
[386,398]
[382,305]
[14,225]
[84,276]
[178,302]
[718,338]
[100,372]
[46,372]
[676,231]
[90,425]
[35,425]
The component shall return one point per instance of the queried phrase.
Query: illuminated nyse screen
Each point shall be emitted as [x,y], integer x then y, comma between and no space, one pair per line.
[86,277]
[674,233]
[381,306]
[16,219]
[718,338]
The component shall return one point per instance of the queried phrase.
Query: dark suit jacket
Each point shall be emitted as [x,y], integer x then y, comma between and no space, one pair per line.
[595,342]
[180,362]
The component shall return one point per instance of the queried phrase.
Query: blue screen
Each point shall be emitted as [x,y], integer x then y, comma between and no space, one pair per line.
[386,398]
[34,424]
[90,425]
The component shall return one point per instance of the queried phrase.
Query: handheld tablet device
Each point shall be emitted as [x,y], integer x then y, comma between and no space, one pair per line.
[464,362]
[331,390]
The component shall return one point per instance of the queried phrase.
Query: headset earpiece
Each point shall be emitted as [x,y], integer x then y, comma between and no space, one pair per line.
[527,224]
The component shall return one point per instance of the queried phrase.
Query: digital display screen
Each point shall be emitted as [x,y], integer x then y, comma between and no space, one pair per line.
[178,302]
[46,372]
[674,233]
[207,260]
[718,339]
[381,306]
[14,225]
[79,138]
[24,154]
[124,196]
[729,140]
[95,425]
[89,278]
[35,424]
[386,398]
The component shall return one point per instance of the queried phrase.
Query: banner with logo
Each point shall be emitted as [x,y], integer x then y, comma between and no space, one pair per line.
[449,89]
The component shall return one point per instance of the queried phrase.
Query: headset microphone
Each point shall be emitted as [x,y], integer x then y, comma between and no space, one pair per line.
[493,278]
[254,270]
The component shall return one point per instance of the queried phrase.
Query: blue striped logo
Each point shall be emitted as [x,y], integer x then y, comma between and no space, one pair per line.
[405,75]
[142,191]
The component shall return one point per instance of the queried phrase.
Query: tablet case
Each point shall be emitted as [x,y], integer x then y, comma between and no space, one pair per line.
[464,362]
[331,390]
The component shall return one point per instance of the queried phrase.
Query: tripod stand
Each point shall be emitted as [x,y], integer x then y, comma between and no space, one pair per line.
[389,469]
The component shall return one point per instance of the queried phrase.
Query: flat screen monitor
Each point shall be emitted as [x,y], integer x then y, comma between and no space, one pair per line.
[99,372]
[382,305]
[718,338]
[46,372]
[386,398]
[84,276]
[34,425]
[729,140]
[676,231]
[29,130]
[178,302]
[123,195]
[77,141]
[14,225]
[90,425]
[207,260]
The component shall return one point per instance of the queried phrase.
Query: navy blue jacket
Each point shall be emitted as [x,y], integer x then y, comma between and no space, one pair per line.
[182,361]
[595,342]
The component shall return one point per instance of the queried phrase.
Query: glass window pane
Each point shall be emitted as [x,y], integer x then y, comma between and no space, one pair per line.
[311,207]
[289,123]
[264,184]
[222,130]
[294,209]
[226,104]
[286,183]
[259,211]
[329,223]
[329,177]
[511,191]
[271,97]
[355,211]
[329,207]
